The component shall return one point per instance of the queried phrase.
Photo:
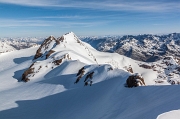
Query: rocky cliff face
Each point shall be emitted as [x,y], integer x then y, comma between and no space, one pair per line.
[46,46]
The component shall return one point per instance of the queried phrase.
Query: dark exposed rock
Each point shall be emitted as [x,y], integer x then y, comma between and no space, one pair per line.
[30,70]
[38,54]
[145,66]
[134,80]
[59,61]
[80,71]
[61,38]
[49,53]
[89,76]
[178,69]
[130,69]
[80,74]
[45,46]
[131,82]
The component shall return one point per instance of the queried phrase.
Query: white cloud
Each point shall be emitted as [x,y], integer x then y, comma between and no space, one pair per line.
[28,2]
[119,5]
[45,23]
[18,23]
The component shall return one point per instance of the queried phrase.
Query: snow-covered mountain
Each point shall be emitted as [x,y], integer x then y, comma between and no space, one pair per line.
[67,78]
[11,44]
[145,47]
[4,47]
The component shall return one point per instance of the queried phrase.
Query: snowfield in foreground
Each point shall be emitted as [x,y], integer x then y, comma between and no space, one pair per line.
[51,90]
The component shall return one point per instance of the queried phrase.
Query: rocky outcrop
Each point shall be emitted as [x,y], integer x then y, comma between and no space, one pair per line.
[46,46]
[49,53]
[60,39]
[146,66]
[39,66]
[80,74]
[129,69]
[38,54]
[46,49]
[59,61]
[135,80]
[80,71]
[88,79]
[30,70]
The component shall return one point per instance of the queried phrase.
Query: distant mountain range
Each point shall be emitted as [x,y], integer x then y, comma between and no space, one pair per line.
[145,47]
[11,44]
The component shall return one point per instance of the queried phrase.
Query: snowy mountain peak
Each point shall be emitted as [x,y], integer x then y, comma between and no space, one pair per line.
[71,37]
[51,38]
[53,52]
[51,43]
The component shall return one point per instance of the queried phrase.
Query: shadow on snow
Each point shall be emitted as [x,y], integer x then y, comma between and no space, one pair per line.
[22,59]
[105,100]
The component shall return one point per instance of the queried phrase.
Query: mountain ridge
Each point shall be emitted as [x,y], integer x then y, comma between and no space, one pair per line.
[12,44]
[145,47]
[54,52]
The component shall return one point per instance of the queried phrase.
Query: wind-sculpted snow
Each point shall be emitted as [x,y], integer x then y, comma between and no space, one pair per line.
[148,47]
[174,114]
[72,80]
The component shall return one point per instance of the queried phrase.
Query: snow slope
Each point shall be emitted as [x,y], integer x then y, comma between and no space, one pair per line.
[51,93]
[174,114]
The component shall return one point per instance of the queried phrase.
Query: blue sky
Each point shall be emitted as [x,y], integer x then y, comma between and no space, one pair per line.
[19,18]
